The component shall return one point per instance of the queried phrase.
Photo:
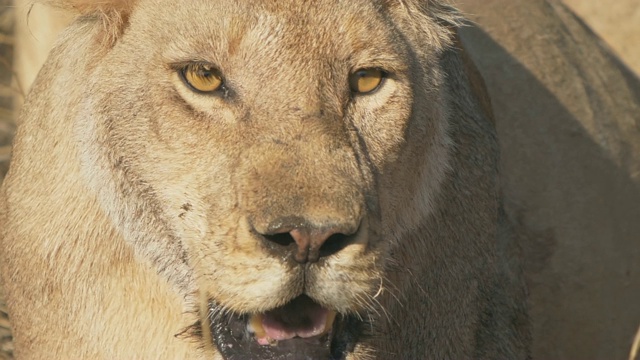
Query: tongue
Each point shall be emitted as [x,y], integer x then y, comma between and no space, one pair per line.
[302,318]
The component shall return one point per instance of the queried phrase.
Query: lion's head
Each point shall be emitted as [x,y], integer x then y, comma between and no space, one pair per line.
[273,160]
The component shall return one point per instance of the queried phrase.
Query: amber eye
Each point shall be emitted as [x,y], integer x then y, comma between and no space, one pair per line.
[202,77]
[365,81]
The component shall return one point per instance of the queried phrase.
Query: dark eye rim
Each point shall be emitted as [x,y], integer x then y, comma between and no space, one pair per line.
[384,75]
[182,69]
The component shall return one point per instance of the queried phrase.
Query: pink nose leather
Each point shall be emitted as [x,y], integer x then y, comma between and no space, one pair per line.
[308,243]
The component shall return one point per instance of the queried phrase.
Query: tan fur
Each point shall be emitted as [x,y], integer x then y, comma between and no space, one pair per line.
[581,255]
[617,23]
[132,201]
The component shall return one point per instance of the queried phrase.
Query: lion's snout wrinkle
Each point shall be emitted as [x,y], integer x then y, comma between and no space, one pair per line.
[308,242]
[304,202]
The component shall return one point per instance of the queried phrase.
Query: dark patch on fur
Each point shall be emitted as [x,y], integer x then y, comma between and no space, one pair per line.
[186,208]
[192,332]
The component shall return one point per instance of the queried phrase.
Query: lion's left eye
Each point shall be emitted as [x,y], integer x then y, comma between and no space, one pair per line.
[365,81]
[202,77]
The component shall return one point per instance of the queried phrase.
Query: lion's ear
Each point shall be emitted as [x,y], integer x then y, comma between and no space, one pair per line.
[114,14]
[438,19]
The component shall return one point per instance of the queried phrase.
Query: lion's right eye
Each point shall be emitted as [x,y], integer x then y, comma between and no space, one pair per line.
[202,77]
[365,81]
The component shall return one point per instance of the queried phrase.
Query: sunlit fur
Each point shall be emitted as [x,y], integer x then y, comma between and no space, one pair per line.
[133,202]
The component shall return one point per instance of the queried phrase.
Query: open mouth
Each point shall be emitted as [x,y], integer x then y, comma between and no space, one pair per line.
[301,329]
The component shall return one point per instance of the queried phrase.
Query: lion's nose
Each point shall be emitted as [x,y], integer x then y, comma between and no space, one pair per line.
[309,243]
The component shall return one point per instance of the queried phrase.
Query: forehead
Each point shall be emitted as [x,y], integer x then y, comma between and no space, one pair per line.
[288,13]
[338,27]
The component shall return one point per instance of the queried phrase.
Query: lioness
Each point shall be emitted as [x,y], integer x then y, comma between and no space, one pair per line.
[246,179]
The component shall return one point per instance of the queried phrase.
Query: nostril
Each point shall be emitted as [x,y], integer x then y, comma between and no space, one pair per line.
[307,246]
[306,243]
[282,239]
[334,244]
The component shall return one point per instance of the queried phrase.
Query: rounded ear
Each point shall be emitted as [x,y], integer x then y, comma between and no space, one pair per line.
[114,14]
[438,15]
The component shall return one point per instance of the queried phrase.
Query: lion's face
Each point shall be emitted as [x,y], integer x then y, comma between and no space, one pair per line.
[284,146]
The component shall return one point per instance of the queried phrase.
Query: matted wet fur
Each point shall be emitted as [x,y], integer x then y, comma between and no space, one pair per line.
[140,216]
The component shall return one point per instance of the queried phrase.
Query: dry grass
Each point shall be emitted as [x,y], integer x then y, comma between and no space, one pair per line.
[7,93]
[7,127]
[635,348]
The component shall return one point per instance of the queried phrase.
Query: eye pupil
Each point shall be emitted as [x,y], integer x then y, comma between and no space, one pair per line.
[202,77]
[365,81]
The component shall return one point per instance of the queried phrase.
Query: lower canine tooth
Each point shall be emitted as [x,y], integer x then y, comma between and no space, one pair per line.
[331,317]
[255,326]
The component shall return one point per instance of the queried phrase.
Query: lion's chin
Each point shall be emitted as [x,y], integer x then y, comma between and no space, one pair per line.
[301,329]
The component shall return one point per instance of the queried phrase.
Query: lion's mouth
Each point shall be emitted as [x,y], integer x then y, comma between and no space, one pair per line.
[301,329]
[301,318]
